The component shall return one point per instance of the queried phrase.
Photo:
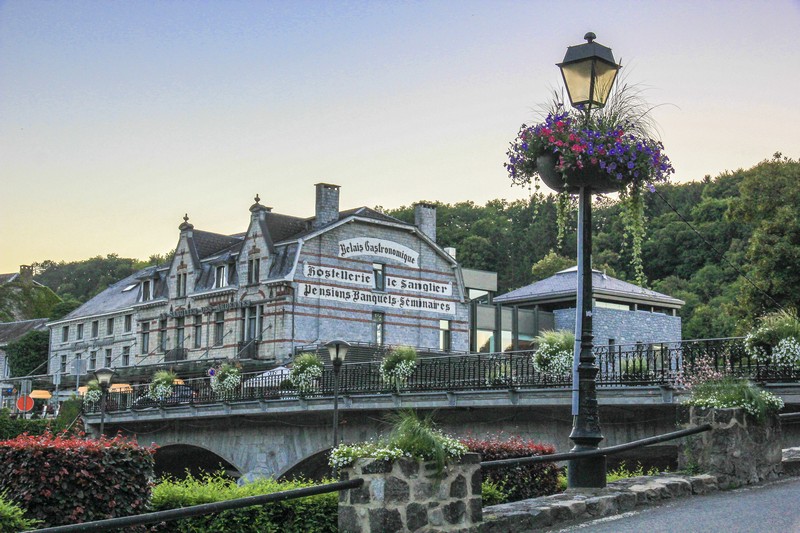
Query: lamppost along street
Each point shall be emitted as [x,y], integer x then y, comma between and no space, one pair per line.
[589,71]
[103,377]
[338,351]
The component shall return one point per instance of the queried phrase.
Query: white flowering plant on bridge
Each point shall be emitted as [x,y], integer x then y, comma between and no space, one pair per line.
[776,340]
[306,371]
[715,387]
[411,437]
[161,385]
[553,357]
[225,379]
[93,393]
[398,366]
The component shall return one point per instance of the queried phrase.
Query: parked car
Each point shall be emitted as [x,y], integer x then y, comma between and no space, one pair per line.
[180,394]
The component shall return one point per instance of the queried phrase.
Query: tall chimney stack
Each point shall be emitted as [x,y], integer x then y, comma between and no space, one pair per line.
[425,219]
[327,206]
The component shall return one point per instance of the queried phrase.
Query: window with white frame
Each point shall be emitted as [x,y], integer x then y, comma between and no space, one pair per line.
[253,270]
[378,274]
[377,328]
[198,330]
[220,276]
[181,284]
[444,335]
[145,338]
[92,360]
[180,330]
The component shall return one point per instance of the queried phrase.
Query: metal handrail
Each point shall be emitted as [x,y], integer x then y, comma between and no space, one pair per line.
[558,457]
[206,508]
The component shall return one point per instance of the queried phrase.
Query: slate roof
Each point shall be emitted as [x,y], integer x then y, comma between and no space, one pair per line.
[564,285]
[208,244]
[6,278]
[113,298]
[11,331]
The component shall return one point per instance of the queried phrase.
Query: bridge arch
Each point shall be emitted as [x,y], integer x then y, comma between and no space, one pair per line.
[179,458]
[314,467]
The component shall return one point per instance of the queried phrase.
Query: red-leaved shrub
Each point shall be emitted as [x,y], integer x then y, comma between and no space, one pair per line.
[67,480]
[522,481]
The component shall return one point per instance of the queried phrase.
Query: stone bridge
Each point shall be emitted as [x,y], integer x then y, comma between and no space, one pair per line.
[287,437]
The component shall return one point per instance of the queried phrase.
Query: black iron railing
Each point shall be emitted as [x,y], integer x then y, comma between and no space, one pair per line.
[621,365]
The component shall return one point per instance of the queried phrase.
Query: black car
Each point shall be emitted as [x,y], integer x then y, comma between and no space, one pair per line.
[180,394]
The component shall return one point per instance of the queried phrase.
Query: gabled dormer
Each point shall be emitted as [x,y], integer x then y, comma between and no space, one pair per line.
[258,246]
[185,263]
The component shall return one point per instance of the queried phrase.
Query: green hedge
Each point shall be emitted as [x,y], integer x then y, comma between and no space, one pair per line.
[12,516]
[67,480]
[312,514]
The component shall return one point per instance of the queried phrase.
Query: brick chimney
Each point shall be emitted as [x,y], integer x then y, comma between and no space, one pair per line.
[425,219]
[327,207]
[26,274]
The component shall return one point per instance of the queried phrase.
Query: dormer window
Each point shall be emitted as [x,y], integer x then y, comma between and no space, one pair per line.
[147,290]
[253,270]
[221,276]
[181,285]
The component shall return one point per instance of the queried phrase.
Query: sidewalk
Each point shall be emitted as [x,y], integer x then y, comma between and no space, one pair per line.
[575,506]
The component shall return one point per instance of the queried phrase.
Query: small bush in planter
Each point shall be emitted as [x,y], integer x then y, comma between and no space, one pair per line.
[554,355]
[411,436]
[306,371]
[776,340]
[398,366]
[225,379]
[161,385]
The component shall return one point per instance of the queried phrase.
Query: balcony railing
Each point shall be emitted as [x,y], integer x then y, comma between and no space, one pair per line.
[620,366]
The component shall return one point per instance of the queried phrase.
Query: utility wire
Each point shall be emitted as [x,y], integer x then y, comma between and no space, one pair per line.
[721,255]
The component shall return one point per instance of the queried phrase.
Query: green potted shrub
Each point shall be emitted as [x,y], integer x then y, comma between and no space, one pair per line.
[305,373]
[161,385]
[93,393]
[776,339]
[554,353]
[398,366]
[225,379]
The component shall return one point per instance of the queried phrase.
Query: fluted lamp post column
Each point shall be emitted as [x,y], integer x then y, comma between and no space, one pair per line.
[589,71]
[338,351]
[103,377]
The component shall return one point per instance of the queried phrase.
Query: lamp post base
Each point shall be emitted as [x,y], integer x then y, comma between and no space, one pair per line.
[589,472]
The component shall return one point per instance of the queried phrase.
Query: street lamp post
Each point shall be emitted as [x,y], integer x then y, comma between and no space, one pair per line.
[589,71]
[103,377]
[338,351]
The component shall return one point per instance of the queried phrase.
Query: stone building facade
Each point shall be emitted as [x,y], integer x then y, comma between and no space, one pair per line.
[622,313]
[286,282]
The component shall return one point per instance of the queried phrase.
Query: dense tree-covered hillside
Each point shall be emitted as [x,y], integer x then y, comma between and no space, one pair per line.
[728,246]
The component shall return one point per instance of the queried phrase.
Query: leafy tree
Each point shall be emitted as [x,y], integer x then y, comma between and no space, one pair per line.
[28,354]
[549,265]
[81,280]
[769,202]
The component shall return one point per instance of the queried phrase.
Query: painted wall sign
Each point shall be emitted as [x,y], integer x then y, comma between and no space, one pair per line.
[417,285]
[394,301]
[338,274]
[380,248]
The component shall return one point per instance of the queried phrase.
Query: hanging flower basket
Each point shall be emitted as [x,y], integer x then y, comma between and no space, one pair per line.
[572,180]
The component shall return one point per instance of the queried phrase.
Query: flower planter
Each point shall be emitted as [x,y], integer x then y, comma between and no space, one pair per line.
[589,176]
[407,495]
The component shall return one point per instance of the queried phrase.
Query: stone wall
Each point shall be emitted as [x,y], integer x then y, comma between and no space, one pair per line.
[408,495]
[738,450]
[625,327]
